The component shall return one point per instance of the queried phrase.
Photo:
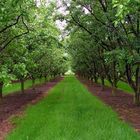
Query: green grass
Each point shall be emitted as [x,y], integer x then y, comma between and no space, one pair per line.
[125,87]
[70,112]
[121,85]
[16,86]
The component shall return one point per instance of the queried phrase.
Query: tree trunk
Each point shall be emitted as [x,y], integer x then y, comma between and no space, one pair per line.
[54,76]
[45,78]
[40,79]
[114,88]
[95,79]
[22,86]
[137,98]
[103,83]
[91,80]
[1,87]
[33,83]
[137,91]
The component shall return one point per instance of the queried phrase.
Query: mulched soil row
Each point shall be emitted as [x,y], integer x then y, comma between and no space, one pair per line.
[121,102]
[14,103]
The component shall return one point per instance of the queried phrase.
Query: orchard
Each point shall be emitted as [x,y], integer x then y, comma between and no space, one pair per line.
[72,67]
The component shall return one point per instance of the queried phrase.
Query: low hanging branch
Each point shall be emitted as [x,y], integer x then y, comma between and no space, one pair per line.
[92,13]
[17,36]
[103,4]
[106,46]
[80,25]
[132,26]
[7,27]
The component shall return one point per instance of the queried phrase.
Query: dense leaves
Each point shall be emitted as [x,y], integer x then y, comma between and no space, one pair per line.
[29,42]
[105,40]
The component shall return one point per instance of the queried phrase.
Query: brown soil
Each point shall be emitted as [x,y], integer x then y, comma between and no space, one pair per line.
[121,102]
[15,103]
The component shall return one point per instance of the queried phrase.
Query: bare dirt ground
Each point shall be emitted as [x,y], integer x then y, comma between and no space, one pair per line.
[121,102]
[14,104]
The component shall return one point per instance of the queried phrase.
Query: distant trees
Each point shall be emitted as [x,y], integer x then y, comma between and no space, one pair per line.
[105,40]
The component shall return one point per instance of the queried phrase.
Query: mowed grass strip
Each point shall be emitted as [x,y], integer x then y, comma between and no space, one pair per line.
[70,112]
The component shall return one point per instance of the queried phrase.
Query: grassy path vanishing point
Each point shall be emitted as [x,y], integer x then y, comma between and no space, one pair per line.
[70,112]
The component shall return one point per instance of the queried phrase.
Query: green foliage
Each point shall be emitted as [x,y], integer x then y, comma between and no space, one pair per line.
[104,40]
[5,77]
[125,7]
[29,43]
[20,70]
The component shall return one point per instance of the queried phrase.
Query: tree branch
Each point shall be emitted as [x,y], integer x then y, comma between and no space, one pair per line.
[11,24]
[103,5]
[94,15]
[17,36]
[132,27]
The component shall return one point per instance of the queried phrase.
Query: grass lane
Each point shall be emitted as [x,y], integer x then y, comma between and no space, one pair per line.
[125,87]
[70,112]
